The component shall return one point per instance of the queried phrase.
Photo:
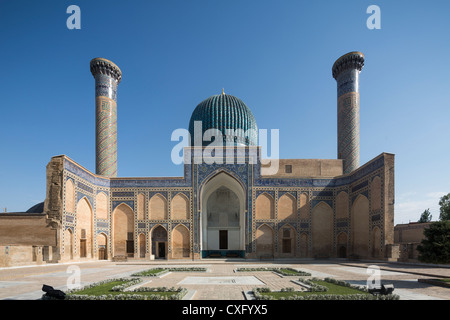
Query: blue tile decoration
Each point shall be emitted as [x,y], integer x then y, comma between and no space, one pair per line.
[228,112]
[81,195]
[222,112]
[123,194]
[104,231]
[360,186]
[376,217]
[316,202]
[342,224]
[107,77]
[346,71]
[364,193]
[142,225]
[85,187]
[269,192]
[165,194]
[101,224]
[282,193]
[248,176]
[130,203]
[322,193]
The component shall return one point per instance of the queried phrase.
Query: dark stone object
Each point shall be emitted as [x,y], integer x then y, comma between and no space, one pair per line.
[384,289]
[50,292]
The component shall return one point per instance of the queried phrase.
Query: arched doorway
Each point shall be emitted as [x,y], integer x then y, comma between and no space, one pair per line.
[322,230]
[376,243]
[102,246]
[142,241]
[304,247]
[286,242]
[84,228]
[360,227]
[123,231]
[180,242]
[342,245]
[68,244]
[159,242]
[223,217]
[264,241]
[264,207]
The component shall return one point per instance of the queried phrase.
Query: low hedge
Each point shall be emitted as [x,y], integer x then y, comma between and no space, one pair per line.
[278,270]
[149,273]
[119,292]
[314,287]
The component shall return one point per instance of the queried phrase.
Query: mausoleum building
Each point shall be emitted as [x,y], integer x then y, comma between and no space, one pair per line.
[230,202]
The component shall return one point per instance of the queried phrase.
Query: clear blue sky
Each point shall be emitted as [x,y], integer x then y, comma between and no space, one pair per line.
[274,55]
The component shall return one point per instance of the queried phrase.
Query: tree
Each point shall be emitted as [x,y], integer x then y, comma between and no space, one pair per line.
[444,202]
[435,248]
[425,216]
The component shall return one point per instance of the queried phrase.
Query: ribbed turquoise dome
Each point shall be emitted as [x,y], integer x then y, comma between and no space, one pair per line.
[224,111]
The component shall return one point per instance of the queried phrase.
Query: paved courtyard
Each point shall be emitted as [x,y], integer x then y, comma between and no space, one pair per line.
[220,281]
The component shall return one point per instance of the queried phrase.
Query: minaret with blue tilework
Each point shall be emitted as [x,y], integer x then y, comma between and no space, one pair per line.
[107,77]
[346,71]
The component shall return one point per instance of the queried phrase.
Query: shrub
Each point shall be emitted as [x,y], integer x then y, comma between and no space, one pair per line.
[136,294]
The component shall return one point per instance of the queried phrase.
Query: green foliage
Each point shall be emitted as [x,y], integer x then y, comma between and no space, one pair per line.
[115,289]
[282,271]
[444,202]
[327,289]
[159,271]
[425,216]
[435,248]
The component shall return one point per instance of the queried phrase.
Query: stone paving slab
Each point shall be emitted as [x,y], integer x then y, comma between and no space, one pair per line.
[26,283]
[245,280]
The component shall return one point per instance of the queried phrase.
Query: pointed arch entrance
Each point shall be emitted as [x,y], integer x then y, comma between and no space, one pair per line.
[85,228]
[264,241]
[159,242]
[123,231]
[222,220]
[102,243]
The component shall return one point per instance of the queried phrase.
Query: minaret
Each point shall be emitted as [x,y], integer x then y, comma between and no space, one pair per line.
[346,71]
[107,77]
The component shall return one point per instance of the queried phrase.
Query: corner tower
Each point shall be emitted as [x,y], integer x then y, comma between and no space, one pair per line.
[107,77]
[346,71]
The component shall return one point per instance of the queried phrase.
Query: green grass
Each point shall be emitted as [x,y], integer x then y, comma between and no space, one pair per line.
[446,280]
[105,289]
[101,289]
[290,272]
[160,271]
[283,271]
[332,289]
[150,272]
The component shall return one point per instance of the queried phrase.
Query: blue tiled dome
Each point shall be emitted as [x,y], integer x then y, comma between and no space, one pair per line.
[224,111]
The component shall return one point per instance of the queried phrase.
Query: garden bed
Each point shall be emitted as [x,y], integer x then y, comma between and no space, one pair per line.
[326,289]
[160,271]
[116,289]
[282,271]
[441,282]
